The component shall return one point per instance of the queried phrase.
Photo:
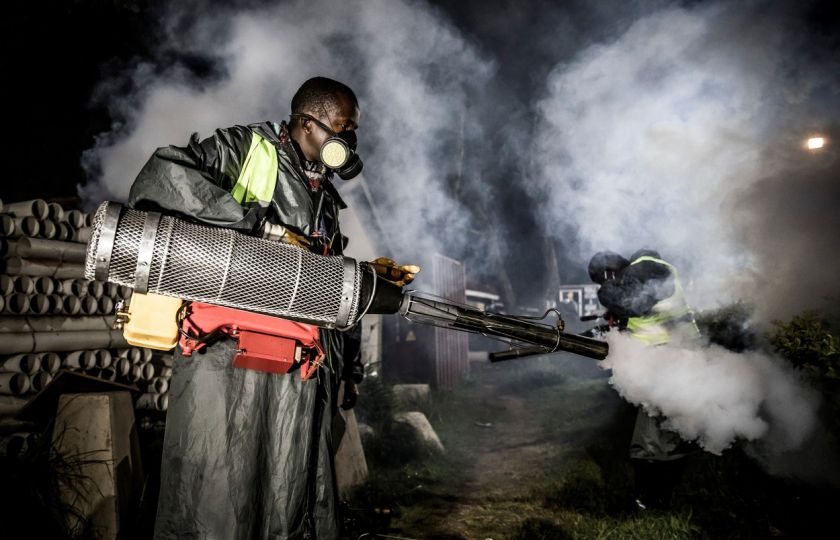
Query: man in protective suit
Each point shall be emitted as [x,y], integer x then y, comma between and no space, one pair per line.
[249,454]
[644,297]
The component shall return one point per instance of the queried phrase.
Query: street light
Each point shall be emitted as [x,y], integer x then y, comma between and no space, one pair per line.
[815,143]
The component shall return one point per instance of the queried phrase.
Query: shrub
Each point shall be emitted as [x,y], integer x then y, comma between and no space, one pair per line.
[808,343]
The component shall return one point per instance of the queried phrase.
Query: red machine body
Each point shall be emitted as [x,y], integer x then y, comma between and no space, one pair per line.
[265,343]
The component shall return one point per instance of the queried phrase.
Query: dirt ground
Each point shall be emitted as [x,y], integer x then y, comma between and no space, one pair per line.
[537,449]
[515,430]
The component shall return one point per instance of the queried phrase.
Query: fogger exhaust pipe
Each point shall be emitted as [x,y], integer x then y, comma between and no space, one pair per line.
[164,255]
[427,309]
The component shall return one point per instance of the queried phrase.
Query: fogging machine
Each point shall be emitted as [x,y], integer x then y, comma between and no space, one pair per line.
[166,259]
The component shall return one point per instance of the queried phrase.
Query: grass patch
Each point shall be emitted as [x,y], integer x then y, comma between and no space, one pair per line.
[567,525]
[649,526]
[553,463]
[583,489]
[541,529]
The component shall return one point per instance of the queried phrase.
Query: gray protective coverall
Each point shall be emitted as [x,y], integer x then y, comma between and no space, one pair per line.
[247,454]
[633,295]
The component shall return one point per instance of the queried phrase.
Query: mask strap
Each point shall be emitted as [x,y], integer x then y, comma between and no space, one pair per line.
[317,122]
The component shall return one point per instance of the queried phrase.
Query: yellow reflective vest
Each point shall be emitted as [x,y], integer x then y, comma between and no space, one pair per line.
[672,313]
[258,176]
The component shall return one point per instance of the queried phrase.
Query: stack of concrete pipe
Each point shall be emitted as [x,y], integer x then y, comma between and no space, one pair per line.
[52,319]
[42,268]
[39,219]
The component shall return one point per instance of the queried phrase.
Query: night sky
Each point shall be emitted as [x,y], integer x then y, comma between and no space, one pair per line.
[59,54]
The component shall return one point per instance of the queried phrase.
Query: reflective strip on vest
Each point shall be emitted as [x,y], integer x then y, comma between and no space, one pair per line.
[655,328]
[259,173]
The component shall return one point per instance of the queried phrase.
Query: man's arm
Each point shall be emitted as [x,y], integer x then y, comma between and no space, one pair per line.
[636,289]
[195,180]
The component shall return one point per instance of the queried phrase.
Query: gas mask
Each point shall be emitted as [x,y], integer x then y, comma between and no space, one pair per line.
[338,153]
[605,266]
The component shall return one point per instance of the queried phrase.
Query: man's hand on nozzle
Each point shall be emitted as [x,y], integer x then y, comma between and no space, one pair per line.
[296,239]
[400,275]
[277,232]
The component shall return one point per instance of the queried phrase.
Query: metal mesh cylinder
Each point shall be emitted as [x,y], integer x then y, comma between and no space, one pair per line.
[169,256]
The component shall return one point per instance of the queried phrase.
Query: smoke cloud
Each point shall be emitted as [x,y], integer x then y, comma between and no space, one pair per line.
[713,395]
[677,129]
[411,69]
[683,135]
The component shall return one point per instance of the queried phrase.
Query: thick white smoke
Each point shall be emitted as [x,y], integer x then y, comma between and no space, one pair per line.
[713,395]
[410,68]
[653,139]
[666,137]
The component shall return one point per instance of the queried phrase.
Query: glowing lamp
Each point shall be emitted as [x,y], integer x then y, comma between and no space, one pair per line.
[815,143]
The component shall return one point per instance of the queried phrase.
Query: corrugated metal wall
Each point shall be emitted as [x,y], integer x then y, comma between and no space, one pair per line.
[451,360]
